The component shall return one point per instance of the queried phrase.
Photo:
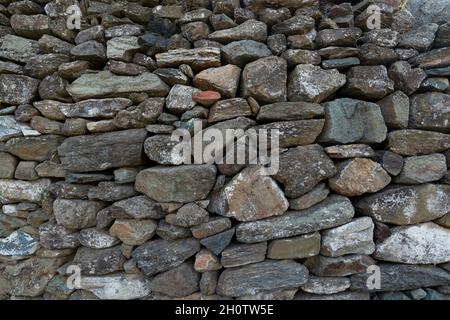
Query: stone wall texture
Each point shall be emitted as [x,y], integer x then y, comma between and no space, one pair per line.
[94,207]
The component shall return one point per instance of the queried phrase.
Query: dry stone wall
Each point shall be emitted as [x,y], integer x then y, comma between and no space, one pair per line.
[93,205]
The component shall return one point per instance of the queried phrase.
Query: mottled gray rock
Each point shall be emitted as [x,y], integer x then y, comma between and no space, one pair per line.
[334,211]
[139,207]
[438,58]
[298,24]
[302,168]
[243,52]
[95,108]
[326,285]
[420,38]
[391,162]
[104,151]
[350,151]
[368,82]
[422,169]
[99,261]
[18,244]
[133,232]
[106,84]
[406,204]
[8,167]
[163,183]
[91,51]
[229,109]
[117,287]
[313,84]
[411,142]
[289,111]
[395,110]
[12,191]
[338,266]
[198,58]
[18,49]
[358,176]
[9,128]
[122,48]
[161,255]
[342,37]
[110,191]
[263,276]
[355,237]
[188,215]
[76,214]
[265,80]
[405,78]
[300,247]
[17,89]
[349,120]
[242,254]
[97,238]
[213,226]
[171,232]
[398,277]
[218,242]
[181,281]
[429,111]
[54,237]
[179,99]
[299,56]
[249,30]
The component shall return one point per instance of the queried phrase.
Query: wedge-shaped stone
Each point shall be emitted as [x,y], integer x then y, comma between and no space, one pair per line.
[161,255]
[249,196]
[299,24]
[12,191]
[398,277]
[353,237]
[224,79]
[183,184]
[407,204]
[104,151]
[426,243]
[262,276]
[106,84]
[249,30]
[332,212]
[349,120]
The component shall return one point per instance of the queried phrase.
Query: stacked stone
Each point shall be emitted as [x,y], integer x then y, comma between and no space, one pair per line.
[88,184]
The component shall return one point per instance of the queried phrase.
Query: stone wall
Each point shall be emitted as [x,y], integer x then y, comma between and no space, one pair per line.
[90,192]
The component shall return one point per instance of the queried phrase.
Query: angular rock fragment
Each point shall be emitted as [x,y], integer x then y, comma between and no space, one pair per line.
[411,142]
[406,204]
[326,285]
[243,254]
[99,261]
[12,191]
[161,255]
[395,109]
[163,183]
[54,237]
[350,151]
[178,282]
[133,232]
[338,37]
[368,82]
[339,266]
[429,111]
[218,242]
[18,49]
[213,226]
[242,52]
[422,169]
[249,30]
[139,207]
[9,128]
[229,109]
[97,239]
[300,247]
[419,38]
[313,84]
[405,78]
[95,108]
[262,276]
[334,211]
[76,214]
[198,58]
[285,111]
[224,80]
[18,244]
[17,89]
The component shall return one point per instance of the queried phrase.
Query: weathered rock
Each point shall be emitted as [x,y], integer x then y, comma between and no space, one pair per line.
[26,171]
[91,51]
[395,110]
[206,261]
[406,204]
[110,191]
[179,99]
[208,282]
[368,82]
[300,247]
[263,276]
[350,151]
[139,207]
[178,282]
[122,48]
[299,56]
[298,24]
[313,84]
[374,55]
[338,37]
[242,52]
[355,237]
[106,84]
[358,176]
[224,79]
[53,236]
[265,80]
[44,65]
[198,58]
[104,151]
[213,226]
[97,239]
[419,38]
[346,295]
[326,285]
[133,232]
[18,244]
[117,287]
[99,261]
[422,169]
[162,183]
[425,243]
[339,266]
[411,142]
[161,255]
[397,277]
[76,214]
[249,30]
[243,254]
[18,49]
[206,98]
[429,111]
[8,167]
[349,120]
[229,109]
[289,111]
[171,232]
[391,162]
[302,168]
[95,108]
[12,191]
[218,242]
[17,89]
[334,211]
[9,128]
[295,133]
[188,215]
[405,78]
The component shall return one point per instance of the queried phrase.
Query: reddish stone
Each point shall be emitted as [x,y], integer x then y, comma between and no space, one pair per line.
[206,98]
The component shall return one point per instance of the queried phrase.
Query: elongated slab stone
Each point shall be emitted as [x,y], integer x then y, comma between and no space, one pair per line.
[22,191]
[332,212]
[198,58]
